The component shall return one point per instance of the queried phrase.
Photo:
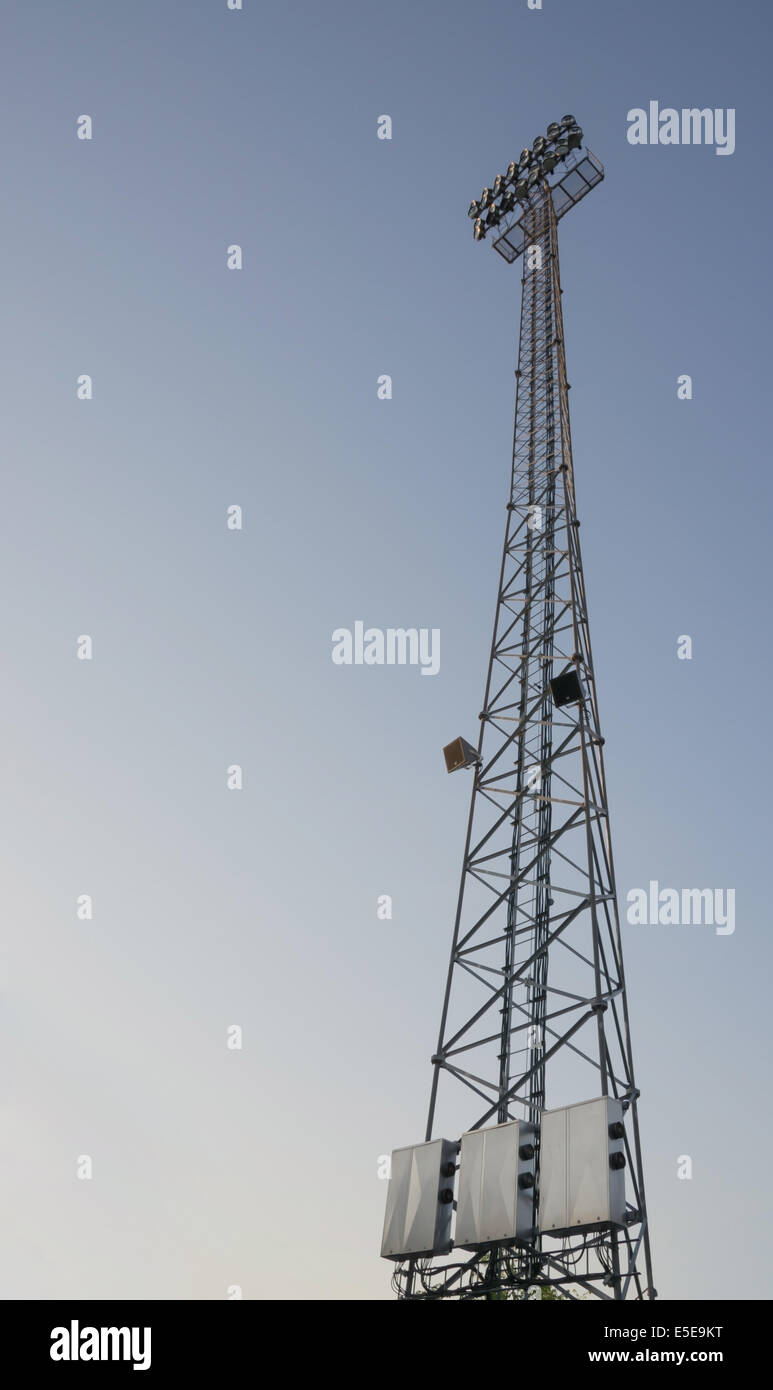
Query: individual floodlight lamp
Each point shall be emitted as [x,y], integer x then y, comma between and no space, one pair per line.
[553,130]
[534,174]
[525,159]
[539,145]
[512,172]
[460,753]
[521,189]
[562,149]
[473,210]
[479,231]
[549,162]
[574,138]
[567,122]
[566,689]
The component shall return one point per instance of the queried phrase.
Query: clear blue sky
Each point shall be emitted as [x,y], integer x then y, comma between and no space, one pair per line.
[258,1168]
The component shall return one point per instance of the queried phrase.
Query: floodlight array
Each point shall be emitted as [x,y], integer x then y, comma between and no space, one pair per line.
[523,175]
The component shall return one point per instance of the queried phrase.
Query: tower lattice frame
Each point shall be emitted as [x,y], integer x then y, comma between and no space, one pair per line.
[535,985]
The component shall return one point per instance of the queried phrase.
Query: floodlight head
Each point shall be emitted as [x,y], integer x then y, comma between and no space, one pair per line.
[538,172]
[460,753]
[566,689]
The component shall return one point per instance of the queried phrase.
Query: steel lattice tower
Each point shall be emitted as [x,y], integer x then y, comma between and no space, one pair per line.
[536,991]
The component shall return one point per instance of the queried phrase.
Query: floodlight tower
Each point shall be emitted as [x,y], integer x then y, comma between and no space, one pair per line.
[533,1066]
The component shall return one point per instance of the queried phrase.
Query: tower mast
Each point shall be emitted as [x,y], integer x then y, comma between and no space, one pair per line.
[535,1012]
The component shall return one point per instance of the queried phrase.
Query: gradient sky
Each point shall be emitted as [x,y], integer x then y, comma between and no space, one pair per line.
[258,1168]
